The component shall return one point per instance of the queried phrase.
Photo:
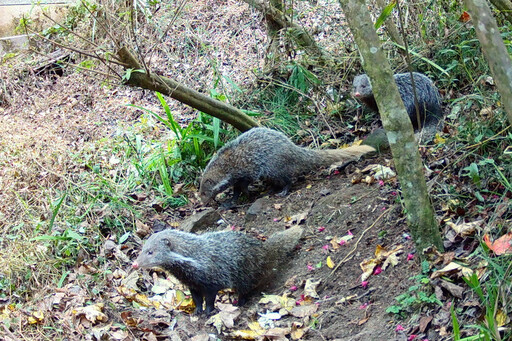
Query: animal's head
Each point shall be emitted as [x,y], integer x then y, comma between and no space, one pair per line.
[154,251]
[361,86]
[166,250]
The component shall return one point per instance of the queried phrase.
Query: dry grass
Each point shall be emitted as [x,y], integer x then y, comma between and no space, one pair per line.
[45,126]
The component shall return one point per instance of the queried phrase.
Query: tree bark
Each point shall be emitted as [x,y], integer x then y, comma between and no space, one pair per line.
[505,7]
[299,35]
[494,50]
[420,214]
[170,87]
[273,55]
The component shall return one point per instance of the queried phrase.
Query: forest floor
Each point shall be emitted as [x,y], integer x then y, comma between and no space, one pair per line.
[52,129]
[38,139]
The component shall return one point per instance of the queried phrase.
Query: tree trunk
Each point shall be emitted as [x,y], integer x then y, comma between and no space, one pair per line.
[494,50]
[298,34]
[420,214]
[505,8]
[169,87]
[273,55]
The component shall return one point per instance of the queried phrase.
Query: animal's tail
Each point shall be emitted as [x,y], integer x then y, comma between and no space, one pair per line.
[280,244]
[328,157]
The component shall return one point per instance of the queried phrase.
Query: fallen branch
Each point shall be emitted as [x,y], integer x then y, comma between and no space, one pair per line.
[179,92]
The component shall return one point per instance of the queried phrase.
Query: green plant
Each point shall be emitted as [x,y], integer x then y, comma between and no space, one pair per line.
[287,98]
[302,79]
[182,156]
[492,294]
[74,15]
[416,296]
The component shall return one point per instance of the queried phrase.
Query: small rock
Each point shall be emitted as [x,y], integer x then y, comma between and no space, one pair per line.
[109,248]
[325,192]
[378,140]
[200,221]
[255,209]
[159,225]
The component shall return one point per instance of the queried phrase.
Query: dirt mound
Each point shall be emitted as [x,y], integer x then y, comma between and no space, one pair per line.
[345,222]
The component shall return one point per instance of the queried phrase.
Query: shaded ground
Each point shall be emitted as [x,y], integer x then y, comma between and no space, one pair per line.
[342,208]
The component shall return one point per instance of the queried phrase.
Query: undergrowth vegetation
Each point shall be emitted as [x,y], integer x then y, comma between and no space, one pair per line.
[153,164]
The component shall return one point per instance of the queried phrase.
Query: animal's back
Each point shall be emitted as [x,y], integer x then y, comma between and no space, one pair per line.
[237,256]
[269,155]
[258,153]
[429,102]
[225,259]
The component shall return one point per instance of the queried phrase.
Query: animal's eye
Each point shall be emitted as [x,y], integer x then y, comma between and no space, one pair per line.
[150,252]
[167,242]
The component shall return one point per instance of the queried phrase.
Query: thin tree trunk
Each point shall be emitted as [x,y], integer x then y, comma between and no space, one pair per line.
[299,35]
[505,7]
[169,87]
[420,214]
[273,54]
[494,50]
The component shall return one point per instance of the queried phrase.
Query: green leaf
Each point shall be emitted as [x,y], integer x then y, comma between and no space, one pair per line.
[128,73]
[455,323]
[62,278]
[394,309]
[56,210]
[386,12]
[124,237]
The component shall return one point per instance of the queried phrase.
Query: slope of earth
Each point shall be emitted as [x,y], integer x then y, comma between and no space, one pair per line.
[327,299]
[329,210]
[324,301]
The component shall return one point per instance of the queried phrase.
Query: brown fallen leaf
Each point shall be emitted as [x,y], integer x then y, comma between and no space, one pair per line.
[36,317]
[424,322]
[363,321]
[93,313]
[500,246]
[310,288]
[297,219]
[453,289]
[304,310]
[346,299]
[277,334]
[465,229]
[142,229]
[452,268]
[298,330]
[225,318]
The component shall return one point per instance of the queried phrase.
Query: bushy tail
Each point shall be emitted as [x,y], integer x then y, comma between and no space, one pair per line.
[330,156]
[280,244]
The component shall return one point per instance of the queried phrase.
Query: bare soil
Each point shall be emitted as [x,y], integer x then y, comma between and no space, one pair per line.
[328,207]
